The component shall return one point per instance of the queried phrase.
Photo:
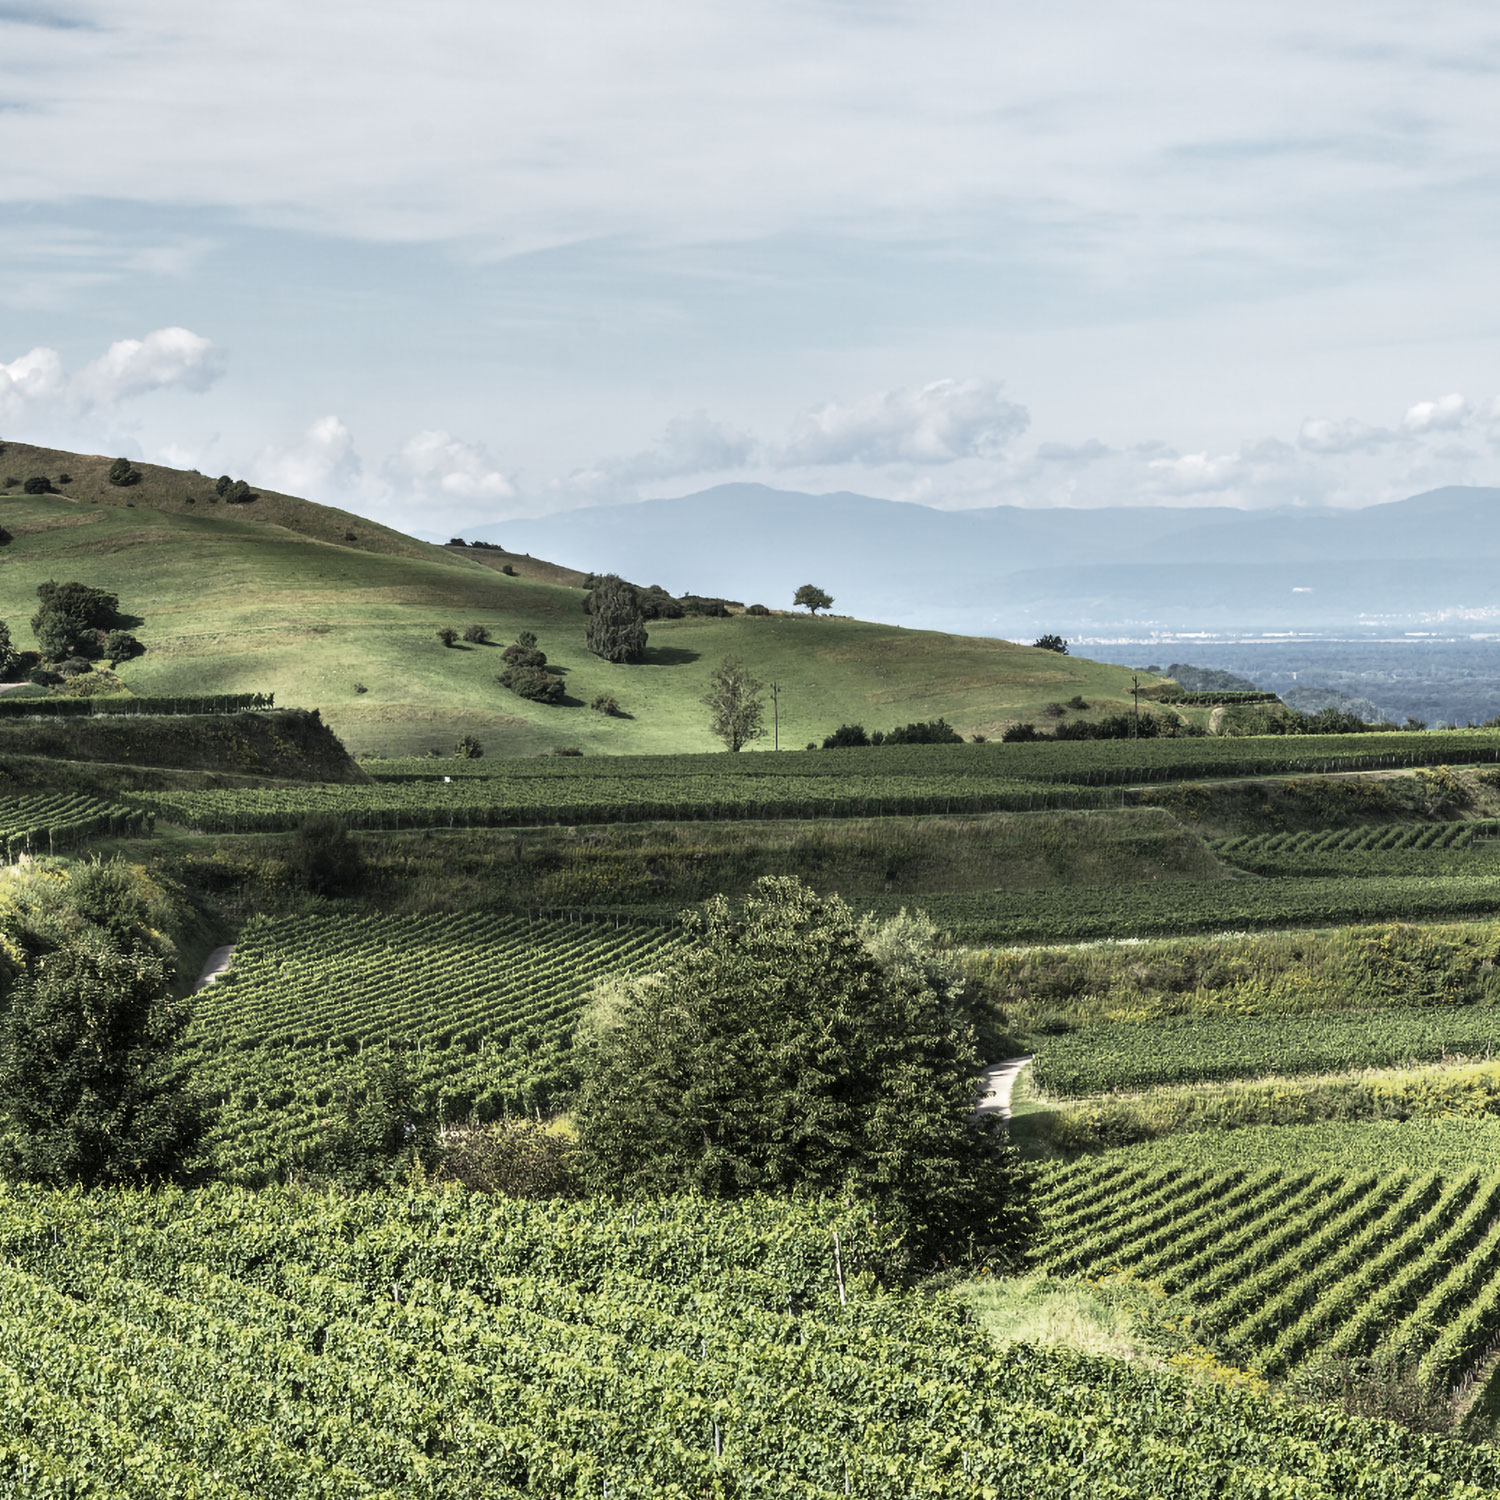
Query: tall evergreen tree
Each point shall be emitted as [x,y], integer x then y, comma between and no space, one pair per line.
[617,621]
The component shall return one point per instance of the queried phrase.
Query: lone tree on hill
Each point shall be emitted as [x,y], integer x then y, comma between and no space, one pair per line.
[1051,643]
[617,623]
[89,1073]
[812,598]
[737,709]
[123,473]
[790,1049]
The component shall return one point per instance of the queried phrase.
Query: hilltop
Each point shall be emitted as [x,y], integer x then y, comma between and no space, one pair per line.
[326,609]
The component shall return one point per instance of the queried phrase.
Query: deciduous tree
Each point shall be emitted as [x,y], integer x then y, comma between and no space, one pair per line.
[735,705]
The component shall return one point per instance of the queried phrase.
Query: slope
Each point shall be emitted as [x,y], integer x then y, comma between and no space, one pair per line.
[235,604]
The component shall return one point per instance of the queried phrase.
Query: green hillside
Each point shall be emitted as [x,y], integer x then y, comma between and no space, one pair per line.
[269,596]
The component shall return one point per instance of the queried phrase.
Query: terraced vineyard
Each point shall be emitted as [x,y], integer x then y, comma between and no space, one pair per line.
[484,1006]
[1129,1056]
[282,1345]
[1452,848]
[46,824]
[1292,1262]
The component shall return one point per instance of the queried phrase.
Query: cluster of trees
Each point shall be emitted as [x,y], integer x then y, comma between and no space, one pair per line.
[233,491]
[526,673]
[853,736]
[1149,726]
[74,626]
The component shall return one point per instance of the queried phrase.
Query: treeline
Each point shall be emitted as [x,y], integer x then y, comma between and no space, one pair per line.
[55,708]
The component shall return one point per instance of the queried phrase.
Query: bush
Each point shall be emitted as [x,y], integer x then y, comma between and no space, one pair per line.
[756,609]
[65,479]
[447,635]
[120,645]
[38,484]
[617,623]
[222,485]
[523,653]
[359,687]
[73,619]
[122,473]
[382,1131]
[1051,643]
[515,1158]
[1079,702]
[1021,734]
[43,677]
[509,571]
[476,635]
[5,537]
[606,703]
[533,683]
[324,859]
[846,736]
[1054,710]
[468,748]
[938,732]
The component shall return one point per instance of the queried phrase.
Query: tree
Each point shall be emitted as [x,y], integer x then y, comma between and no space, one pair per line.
[120,645]
[89,1073]
[324,858]
[73,619]
[846,736]
[1051,643]
[38,484]
[812,598]
[606,703]
[476,635]
[524,652]
[239,494]
[9,656]
[617,624]
[735,704]
[222,485]
[447,634]
[790,1050]
[382,1127]
[123,473]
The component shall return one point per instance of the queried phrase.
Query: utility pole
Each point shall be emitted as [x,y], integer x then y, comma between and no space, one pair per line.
[776,716]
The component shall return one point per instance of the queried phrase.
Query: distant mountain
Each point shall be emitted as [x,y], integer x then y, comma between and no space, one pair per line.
[1013,571]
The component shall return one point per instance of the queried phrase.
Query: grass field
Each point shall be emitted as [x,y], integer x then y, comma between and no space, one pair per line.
[232,603]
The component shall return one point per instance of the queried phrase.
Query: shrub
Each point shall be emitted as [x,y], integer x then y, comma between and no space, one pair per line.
[65,479]
[38,484]
[523,654]
[509,571]
[1054,710]
[533,683]
[349,536]
[120,645]
[359,687]
[239,494]
[122,473]
[468,748]
[73,619]
[1021,734]
[323,858]
[222,485]
[567,750]
[382,1131]
[1051,643]
[476,634]
[1078,701]
[447,635]
[938,732]
[515,1158]
[606,703]
[43,677]
[757,609]
[846,736]
[5,537]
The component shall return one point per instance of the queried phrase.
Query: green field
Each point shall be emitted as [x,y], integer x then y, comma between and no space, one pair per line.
[236,600]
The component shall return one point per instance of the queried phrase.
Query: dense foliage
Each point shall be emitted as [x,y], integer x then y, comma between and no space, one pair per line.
[785,1050]
[736,707]
[617,623]
[74,619]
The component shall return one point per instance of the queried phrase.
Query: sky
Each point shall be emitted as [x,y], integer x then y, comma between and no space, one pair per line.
[447,264]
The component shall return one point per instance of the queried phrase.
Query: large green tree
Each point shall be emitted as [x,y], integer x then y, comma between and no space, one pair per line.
[89,1076]
[789,1050]
[617,622]
[73,619]
[811,598]
[736,709]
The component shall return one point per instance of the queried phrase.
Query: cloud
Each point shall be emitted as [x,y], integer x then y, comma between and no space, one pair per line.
[32,381]
[163,359]
[1323,435]
[1446,415]
[688,446]
[939,423]
[37,385]
[436,465]
[1198,473]
[320,462]
[1073,453]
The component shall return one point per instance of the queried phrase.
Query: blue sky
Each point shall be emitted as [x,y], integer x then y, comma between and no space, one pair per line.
[452,263]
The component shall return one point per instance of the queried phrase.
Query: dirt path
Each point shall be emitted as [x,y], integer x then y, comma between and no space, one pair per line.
[217,962]
[995,1085]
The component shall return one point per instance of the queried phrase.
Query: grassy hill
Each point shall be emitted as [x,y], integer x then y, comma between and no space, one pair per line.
[271,596]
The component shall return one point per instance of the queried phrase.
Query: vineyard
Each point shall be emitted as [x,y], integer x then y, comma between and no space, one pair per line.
[1131,1056]
[483,1005]
[284,1344]
[1452,848]
[1290,1263]
[47,824]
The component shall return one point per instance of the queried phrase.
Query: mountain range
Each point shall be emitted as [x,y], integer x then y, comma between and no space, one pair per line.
[1014,571]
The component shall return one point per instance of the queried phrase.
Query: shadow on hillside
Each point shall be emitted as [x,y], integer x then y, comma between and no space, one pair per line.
[668,656]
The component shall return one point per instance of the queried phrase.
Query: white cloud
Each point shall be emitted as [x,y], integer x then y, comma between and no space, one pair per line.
[37,386]
[434,464]
[1199,473]
[132,367]
[1446,415]
[689,446]
[34,380]
[1073,453]
[320,462]
[938,423]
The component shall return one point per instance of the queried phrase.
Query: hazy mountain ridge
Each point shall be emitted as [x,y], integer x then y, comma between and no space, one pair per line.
[1008,570]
